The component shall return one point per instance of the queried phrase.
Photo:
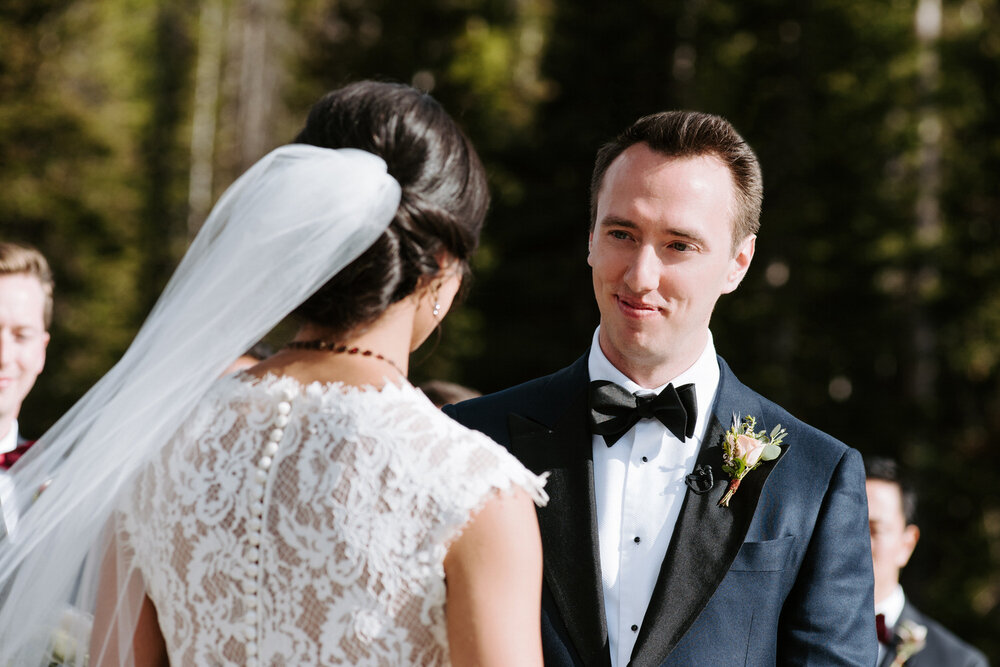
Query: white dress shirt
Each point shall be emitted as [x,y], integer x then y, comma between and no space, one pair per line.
[891,607]
[639,487]
[8,443]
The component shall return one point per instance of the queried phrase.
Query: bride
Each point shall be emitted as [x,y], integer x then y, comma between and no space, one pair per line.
[316,509]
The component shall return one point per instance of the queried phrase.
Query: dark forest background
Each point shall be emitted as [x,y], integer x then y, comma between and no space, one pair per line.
[872,309]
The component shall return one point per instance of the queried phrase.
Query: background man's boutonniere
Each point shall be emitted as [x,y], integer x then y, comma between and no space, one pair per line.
[910,639]
[743,449]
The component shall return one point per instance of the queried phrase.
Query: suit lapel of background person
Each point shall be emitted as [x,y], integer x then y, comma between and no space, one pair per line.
[890,651]
[706,537]
[911,614]
[890,655]
[569,522]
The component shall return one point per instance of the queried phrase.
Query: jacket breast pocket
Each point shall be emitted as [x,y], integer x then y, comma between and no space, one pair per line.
[768,556]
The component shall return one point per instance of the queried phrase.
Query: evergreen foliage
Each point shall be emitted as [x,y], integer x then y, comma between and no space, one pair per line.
[877,266]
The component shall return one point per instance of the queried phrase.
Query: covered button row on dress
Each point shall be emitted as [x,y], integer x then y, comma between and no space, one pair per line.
[255,525]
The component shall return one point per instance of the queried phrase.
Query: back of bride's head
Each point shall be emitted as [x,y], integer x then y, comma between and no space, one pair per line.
[443,204]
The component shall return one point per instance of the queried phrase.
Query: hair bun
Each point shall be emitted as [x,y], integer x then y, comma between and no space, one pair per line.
[443,204]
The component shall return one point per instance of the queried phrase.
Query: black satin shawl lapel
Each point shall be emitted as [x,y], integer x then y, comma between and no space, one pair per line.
[569,522]
[706,537]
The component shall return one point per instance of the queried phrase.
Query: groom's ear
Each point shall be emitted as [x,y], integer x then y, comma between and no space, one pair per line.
[740,263]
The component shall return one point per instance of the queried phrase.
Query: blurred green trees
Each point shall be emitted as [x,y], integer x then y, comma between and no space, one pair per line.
[873,306]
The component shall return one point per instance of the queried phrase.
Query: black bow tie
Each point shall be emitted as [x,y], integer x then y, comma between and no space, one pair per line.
[614,410]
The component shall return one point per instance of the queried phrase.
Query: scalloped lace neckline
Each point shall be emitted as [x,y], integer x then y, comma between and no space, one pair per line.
[272,383]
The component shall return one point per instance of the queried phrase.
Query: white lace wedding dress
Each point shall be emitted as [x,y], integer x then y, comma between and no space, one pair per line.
[308,525]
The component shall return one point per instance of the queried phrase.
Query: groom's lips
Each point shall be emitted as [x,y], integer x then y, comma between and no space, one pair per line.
[635,309]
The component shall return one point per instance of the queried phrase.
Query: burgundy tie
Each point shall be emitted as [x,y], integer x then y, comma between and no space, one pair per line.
[8,459]
[884,633]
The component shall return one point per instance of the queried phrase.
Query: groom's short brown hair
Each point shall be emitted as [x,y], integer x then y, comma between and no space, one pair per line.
[680,134]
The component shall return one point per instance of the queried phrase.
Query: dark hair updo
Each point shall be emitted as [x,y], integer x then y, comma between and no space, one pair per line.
[443,204]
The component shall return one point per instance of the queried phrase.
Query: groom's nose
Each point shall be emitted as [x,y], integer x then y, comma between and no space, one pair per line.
[643,273]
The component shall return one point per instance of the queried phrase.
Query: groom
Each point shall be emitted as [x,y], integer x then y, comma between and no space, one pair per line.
[643,566]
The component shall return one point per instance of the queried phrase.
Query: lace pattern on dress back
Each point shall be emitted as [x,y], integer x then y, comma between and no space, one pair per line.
[305,525]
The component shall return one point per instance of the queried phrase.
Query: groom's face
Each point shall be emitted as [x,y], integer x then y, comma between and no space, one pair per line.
[22,340]
[662,253]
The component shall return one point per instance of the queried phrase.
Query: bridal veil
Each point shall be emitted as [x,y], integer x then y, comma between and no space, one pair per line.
[279,232]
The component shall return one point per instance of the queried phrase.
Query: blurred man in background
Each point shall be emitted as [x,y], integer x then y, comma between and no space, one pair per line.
[25,314]
[906,636]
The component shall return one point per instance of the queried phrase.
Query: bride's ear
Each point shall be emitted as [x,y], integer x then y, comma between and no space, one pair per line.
[448,264]
[429,285]
[449,269]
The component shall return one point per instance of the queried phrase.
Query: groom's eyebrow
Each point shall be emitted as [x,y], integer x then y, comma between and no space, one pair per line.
[615,221]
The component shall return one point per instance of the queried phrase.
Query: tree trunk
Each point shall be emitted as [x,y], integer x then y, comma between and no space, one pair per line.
[927,228]
[206,102]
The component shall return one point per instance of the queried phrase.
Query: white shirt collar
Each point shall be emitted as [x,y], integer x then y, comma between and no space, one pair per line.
[892,606]
[8,443]
[704,373]
[8,515]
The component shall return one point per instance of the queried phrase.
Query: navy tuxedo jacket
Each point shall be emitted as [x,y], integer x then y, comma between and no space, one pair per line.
[781,576]
[943,649]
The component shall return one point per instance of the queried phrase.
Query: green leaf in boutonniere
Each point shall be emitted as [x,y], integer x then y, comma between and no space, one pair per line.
[910,640]
[743,449]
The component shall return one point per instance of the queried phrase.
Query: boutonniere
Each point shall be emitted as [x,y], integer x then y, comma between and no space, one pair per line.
[743,449]
[910,640]
[68,642]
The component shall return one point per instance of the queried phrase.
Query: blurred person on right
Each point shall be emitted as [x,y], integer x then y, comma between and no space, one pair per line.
[905,635]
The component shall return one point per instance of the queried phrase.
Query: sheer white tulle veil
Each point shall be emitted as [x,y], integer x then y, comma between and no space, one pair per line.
[285,227]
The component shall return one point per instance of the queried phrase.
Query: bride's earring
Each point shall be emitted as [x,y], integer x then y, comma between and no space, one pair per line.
[435,288]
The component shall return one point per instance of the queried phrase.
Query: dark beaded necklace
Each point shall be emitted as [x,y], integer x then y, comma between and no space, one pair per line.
[340,348]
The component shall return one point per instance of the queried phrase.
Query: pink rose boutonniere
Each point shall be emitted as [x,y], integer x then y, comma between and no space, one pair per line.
[743,449]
